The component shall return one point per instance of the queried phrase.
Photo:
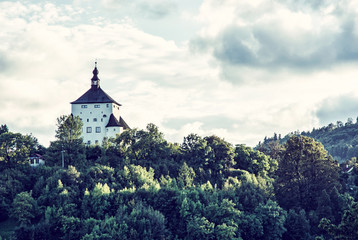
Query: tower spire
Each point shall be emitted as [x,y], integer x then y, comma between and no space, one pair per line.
[95,79]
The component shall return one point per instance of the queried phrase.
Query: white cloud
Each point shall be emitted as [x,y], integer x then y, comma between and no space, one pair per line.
[270,35]
[50,65]
[48,52]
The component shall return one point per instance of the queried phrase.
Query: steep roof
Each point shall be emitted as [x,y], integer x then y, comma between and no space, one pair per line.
[113,122]
[95,95]
[123,123]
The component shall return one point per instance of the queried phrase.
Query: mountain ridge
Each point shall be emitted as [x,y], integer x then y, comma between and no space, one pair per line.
[340,140]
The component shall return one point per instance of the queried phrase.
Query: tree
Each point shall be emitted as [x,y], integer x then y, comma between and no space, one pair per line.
[349,121]
[304,171]
[348,227]
[200,228]
[272,217]
[219,158]
[147,148]
[339,124]
[186,175]
[270,148]
[324,206]
[23,208]
[254,161]
[297,225]
[3,129]
[69,128]
[69,141]
[194,150]
[15,148]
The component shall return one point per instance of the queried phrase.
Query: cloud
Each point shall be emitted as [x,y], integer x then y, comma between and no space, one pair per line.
[48,64]
[115,3]
[262,34]
[5,63]
[156,9]
[207,122]
[48,52]
[337,108]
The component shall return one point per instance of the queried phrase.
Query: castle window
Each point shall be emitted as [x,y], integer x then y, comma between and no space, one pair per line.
[97,106]
[89,142]
[87,120]
[104,115]
[89,129]
[94,119]
[107,105]
[98,129]
[101,119]
[83,106]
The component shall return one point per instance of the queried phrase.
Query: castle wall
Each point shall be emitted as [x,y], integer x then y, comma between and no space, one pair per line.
[95,117]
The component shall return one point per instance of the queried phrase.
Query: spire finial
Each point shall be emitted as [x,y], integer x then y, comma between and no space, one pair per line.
[95,79]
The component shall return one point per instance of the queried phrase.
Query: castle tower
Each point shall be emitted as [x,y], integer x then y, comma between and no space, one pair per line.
[99,113]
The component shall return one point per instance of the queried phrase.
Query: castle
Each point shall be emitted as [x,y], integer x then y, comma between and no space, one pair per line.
[98,112]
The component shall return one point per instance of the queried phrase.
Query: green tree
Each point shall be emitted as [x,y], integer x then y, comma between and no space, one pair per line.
[347,229]
[254,161]
[297,225]
[15,148]
[4,129]
[272,217]
[69,143]
[69,128]
[186,175]
[194,150]
[200,228]
[147,148]
[304,171]
[137,177]
[220,158]
[23,208]
[271,148]
[324,208]
[12,182]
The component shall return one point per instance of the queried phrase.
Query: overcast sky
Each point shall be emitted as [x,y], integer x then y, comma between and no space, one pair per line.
[239,69]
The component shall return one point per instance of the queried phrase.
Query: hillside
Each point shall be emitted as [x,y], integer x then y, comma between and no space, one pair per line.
[340,140]
[140,186]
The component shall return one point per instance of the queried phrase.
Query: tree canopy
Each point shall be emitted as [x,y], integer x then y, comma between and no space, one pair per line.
[305,169]
[140,186]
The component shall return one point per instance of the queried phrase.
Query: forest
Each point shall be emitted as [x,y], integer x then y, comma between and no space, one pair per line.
[140,186]
[339,139]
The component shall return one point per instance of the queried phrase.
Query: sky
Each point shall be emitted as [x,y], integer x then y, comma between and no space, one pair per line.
[238,69]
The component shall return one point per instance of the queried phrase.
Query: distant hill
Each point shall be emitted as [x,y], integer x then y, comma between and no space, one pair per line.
[340,140]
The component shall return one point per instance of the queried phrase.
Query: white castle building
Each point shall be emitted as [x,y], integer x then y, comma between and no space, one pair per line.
[99,113]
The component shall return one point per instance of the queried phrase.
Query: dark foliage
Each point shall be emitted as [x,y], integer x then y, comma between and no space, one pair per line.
[139,186]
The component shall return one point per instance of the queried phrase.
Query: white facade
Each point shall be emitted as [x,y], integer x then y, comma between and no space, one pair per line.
[95,117]
[36,160]
[99,114]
